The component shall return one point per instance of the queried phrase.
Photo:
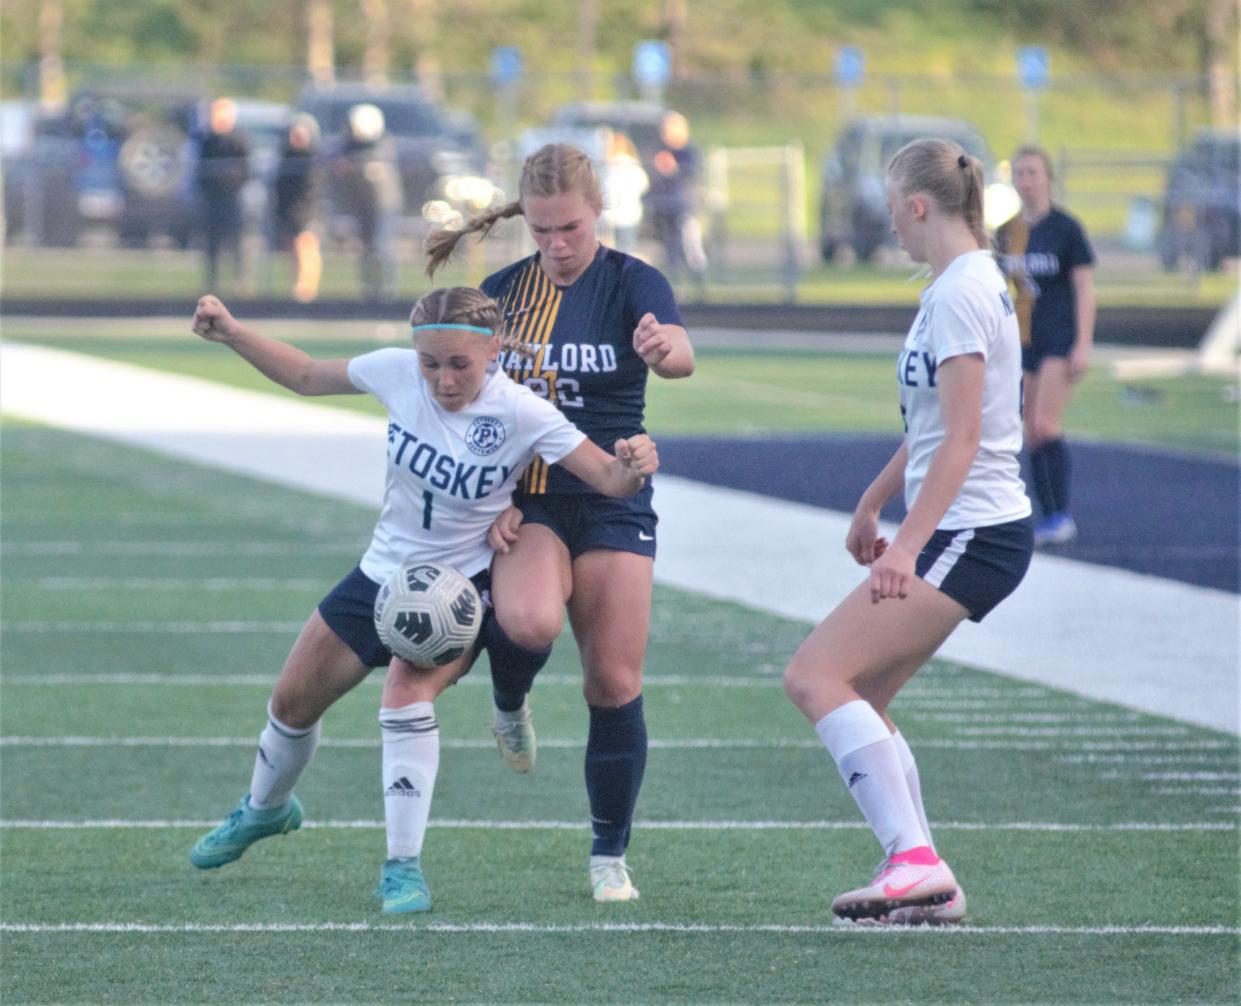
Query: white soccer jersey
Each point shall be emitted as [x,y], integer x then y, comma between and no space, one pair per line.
[450,474]
[967,310]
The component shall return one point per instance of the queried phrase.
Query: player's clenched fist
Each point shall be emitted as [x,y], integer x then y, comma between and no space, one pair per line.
[213,321]
[650,341]
[639,454]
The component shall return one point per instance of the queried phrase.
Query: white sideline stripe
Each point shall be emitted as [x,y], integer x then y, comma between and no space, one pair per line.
[465,824]
[49,928]
[1132,759]
[1116,632]
[675,743]
[924,692]
[691,743]
[1198,791]
[1190,776]
[136,628]
[268,680]
[167,548]
[1094,731]
[210,583]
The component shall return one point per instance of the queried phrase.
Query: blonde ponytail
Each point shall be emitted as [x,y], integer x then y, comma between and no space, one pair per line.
[442,242]
[945,172]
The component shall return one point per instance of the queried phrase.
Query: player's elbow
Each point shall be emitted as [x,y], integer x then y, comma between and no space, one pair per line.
[309,383]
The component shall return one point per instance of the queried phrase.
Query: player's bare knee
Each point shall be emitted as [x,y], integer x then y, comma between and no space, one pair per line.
[531,630]
[293,710]
[799,680]
[612,688]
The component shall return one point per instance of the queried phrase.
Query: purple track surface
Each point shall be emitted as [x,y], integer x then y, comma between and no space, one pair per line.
[1137,508]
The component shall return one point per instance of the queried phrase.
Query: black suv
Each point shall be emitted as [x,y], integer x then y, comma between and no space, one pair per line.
[1202,207]
[433,147]
[853,210]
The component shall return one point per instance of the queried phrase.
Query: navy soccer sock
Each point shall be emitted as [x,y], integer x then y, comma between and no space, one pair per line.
[615,764]
[513,667]
[1040,476]
[1056,462]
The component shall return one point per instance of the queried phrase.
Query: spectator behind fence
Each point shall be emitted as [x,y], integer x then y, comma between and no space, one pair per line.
[673,199]
[296,192]
[223,168]
[624,184]
[369,185]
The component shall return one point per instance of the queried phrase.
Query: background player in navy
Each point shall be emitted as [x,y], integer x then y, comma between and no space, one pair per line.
[1047,255]
[596,321]
[963,546]
[460,432]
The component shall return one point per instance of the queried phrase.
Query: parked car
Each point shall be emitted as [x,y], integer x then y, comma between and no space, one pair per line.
[1202,206]
[439,153]
[853,210]
[118,159]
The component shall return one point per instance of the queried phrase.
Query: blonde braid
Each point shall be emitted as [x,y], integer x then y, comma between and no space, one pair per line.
[442,242]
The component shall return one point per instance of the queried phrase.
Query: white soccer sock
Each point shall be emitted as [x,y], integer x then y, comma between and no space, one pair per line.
[411,760]
[910,768]
[284,752]
[861,745]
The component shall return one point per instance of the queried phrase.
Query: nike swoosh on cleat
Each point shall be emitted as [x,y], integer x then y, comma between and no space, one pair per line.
[899,892]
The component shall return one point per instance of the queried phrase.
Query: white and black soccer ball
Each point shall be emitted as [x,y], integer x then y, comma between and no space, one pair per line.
[428,613]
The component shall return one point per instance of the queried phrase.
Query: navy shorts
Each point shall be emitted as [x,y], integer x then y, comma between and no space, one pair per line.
[349,610]
[1055,343]
[585,522]
[978,567]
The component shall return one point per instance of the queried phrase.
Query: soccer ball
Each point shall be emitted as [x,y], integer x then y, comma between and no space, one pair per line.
[428,613]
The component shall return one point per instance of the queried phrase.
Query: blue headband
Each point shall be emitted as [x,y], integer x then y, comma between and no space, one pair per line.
[460,328]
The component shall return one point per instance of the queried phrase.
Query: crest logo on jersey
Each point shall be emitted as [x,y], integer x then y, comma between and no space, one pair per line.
[485,435]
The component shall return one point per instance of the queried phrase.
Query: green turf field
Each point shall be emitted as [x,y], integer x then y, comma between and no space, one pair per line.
[733,393]
[754,276]
[148,603]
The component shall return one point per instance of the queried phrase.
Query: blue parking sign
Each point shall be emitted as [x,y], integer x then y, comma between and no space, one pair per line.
[652,63]
[850,66]
[1033,67]
[506,64]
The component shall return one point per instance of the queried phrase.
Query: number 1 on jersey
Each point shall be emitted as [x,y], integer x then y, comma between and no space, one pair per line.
[426,509]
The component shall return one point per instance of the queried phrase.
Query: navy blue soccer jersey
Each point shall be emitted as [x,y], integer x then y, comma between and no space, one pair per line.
[581,342]
[1040,260]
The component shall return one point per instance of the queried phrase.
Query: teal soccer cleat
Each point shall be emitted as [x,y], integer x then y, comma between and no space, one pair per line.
[403,887]
[241,829]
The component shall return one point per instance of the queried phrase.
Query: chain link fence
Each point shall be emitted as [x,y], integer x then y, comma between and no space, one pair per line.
[763,136]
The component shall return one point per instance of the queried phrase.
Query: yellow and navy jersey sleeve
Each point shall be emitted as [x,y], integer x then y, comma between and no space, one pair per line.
[1012,238]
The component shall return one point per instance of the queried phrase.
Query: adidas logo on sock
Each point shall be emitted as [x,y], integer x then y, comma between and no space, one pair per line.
[856,778]
[402,787]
